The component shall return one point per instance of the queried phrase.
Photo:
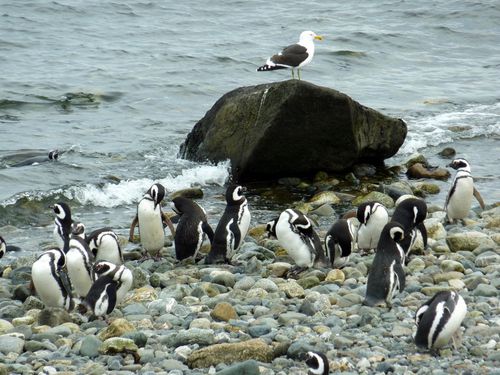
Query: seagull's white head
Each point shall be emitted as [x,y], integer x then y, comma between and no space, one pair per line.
[309,36]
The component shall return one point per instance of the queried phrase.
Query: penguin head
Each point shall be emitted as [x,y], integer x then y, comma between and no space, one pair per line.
[59,257]
[396,232]
[104,268]
[78,229]
[365,210]
[271,228]
[234,194]
[460,163]
[53,154]
[62,211]
[180,204]
[317,363]
[157,193]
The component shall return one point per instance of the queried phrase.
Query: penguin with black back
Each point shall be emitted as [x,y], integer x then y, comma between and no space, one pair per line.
[317,363]
[340,242]
[232,227]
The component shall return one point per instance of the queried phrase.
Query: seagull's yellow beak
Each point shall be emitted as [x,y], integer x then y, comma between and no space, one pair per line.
[318,37]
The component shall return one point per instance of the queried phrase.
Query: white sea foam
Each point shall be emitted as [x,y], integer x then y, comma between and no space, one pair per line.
[473,121]
[130,191]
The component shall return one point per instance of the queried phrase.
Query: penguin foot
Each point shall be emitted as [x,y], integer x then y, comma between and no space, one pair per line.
[294,272]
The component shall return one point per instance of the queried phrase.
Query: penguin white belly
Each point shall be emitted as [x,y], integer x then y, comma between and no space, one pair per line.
[47,287]
[108,250]
[244,222]
[78,272]
[150,226]
[461,201]
[452,325]
[369,234]
[294,245]
[126,280]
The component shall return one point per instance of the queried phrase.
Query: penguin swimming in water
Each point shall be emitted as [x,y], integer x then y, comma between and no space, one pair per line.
[151,220]
[340,242]
[48,280]
[53,155]
[63,225]
[411,212]
[317,363]
[191,228]
[438,320]
[459,199]
[386,277]
[296,235]
[372,216]
[110,288]
[232,227]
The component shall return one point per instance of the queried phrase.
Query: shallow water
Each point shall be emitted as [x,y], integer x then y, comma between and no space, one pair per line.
[117,87]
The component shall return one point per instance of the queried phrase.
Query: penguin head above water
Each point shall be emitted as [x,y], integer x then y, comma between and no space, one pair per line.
[234,194]
[156,193]
[53,155]
[460,163]
[317,363]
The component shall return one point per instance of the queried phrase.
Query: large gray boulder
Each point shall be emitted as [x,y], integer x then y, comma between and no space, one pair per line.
[291,128]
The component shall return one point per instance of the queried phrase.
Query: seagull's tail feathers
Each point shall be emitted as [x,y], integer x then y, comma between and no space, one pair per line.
[266,67]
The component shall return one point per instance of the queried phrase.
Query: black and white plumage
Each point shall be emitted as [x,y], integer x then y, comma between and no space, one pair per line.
[317,363]
[151,220]
[63,225]
[372,216]
[192,228]
[104,245]
[340,242]
[49,280]
[386,277]
[459,199]
[110,288]
[232,227]
[53,155]
[4,247]
[296,235]
[79,261]
[439,319]
[411,213]
[294,56]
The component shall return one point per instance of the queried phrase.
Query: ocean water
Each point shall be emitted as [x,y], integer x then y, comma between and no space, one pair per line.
[116,87]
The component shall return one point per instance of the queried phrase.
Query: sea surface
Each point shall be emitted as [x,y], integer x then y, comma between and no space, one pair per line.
[116,86]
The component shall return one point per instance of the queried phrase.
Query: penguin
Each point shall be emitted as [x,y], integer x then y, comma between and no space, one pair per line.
[79,262]
[318,363]
[4,247]
[232,227]
[411,212]
[110,288]
[372,217]
[459,199]
[340,242]
[49,282]
[63,225]
[53,155]
[438,320]
[386,277]
[296,235]
[104,245]
[191,228]
[151,220]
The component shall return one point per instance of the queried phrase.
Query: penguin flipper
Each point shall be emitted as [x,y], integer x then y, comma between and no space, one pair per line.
[423,231]
[166,221]
[479,198]
[132,228]
[207,229]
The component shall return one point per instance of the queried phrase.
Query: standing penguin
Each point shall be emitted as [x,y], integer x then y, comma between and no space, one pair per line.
[48,281]
[411,212]
[151,220]
[232,227]
[110,288]
[3,247]
[372,217]
[63,225]
[79,261]
[340,242]
[318,363]
[296,235]
[439,319]
[386,277]
[191,228]
[459,199]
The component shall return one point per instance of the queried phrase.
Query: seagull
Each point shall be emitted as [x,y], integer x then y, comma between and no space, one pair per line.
[294,56]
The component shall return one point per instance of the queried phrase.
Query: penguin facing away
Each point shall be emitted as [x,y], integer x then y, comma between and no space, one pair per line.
[104,245]
[372,217]
[192,228]
[459,199]
[340,242]
[151,220]
[438,320]
[49,282]
[317,363]
[386,277]
[232,227]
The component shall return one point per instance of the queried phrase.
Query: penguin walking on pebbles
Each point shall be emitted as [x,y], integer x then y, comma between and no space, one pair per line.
[232,227]
[317,363]
[438,320]
[192,228]
[372,217]
[109,290]
[459,199]
[151,220]
[340,242]
[386,277]
[49,281]
[411,212]
[296,235]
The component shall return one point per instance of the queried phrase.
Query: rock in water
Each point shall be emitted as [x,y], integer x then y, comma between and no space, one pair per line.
[291,128]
